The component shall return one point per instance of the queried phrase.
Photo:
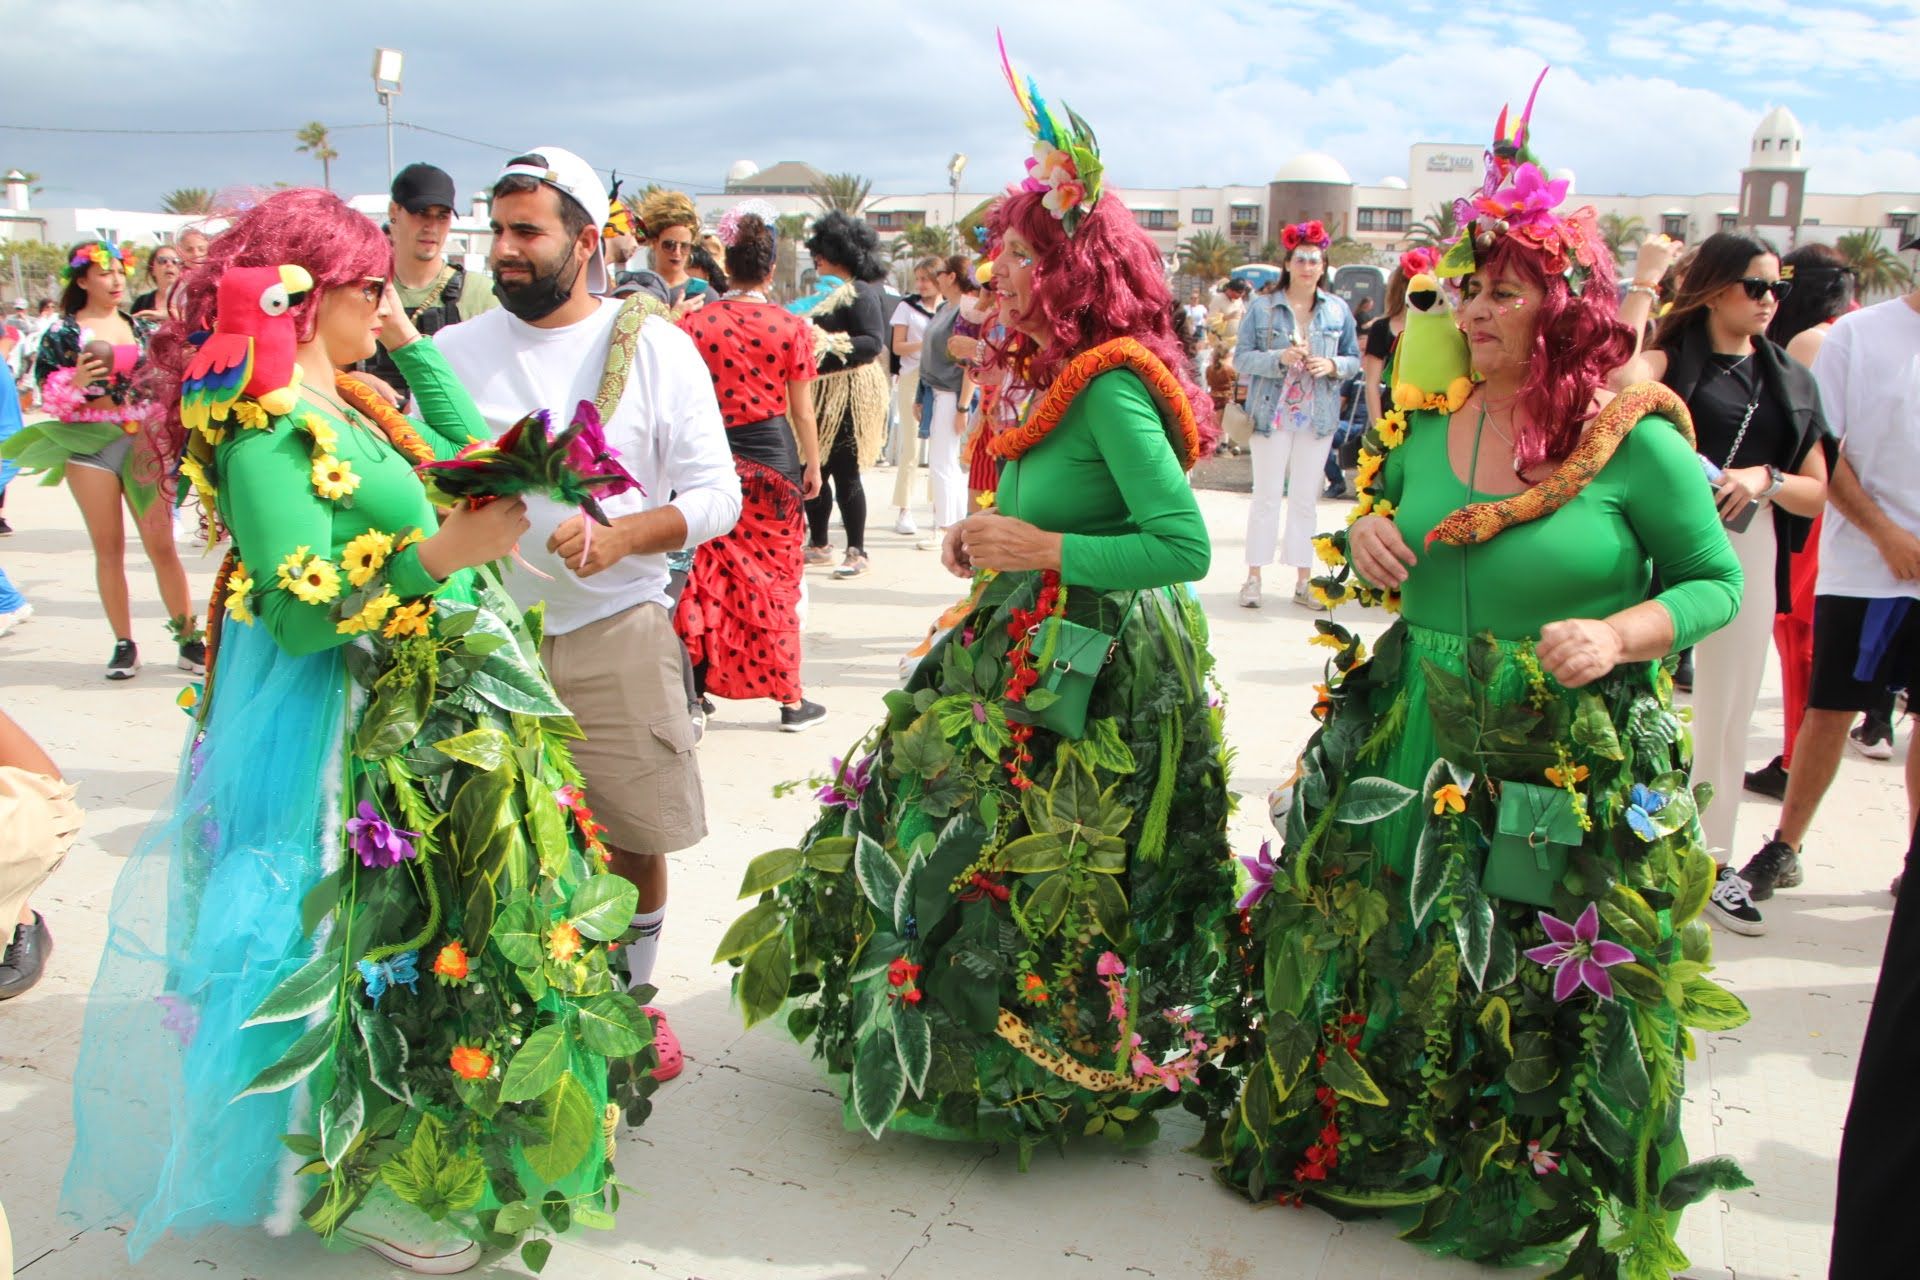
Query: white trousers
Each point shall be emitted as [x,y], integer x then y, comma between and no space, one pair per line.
[1289,463]
[949,478]
[906,437]
[1728,667]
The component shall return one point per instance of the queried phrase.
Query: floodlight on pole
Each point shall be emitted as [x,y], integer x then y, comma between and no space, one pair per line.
[955,167]
[386,83]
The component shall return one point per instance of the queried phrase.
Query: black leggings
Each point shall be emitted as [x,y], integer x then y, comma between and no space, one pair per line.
[840,477]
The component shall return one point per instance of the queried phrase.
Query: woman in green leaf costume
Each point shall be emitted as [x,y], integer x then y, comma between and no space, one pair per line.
[1474,969]
[356,961]
[1004,923]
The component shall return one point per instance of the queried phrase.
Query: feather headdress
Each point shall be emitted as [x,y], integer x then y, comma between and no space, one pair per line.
[1065,164]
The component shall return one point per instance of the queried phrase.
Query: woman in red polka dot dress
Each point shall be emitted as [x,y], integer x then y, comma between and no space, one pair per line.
[739,614]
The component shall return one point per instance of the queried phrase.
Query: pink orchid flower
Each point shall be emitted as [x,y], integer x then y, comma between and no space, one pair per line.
[1578,954]
[1260,869]
[1543,1161]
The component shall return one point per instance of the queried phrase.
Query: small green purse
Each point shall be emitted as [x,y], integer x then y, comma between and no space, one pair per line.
[1534,831]
[1071,658]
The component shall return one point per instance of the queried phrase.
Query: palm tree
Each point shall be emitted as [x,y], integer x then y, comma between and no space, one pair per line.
[789,228]
[1345,251]
[1621,231]
[846,192]
[197,200]
[1208,255]
[1877,267]
[921,239]
[314,140]
[1273,253]
[1436,228]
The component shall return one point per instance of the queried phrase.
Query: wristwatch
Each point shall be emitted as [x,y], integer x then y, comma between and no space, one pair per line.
[1778,479]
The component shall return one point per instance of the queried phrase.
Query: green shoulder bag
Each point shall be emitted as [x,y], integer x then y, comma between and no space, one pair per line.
[1071,658]
[1534,830]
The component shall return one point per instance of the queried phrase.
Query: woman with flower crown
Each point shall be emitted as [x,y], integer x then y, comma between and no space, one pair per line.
[354,961]
[1474,966]
[1002,924]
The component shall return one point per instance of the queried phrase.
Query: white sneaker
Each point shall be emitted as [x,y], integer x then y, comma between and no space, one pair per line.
[1250,594]
[407,1238]
[14,617]
[905,526]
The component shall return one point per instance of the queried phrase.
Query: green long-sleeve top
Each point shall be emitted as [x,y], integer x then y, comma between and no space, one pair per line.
[1649,508]
[1106,477]
[268,497]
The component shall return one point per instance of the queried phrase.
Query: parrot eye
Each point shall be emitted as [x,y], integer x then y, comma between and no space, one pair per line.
[276,300]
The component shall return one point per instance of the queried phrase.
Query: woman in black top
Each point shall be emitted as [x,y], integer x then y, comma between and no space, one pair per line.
[1756,417]
[850,398]
[163,272]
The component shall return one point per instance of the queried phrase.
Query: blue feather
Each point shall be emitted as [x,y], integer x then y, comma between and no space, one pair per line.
[1043,115]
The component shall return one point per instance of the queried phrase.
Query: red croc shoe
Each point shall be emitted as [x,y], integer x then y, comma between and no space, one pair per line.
[667,1046]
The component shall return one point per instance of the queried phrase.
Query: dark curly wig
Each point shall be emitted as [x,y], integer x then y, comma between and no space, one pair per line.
[847,241]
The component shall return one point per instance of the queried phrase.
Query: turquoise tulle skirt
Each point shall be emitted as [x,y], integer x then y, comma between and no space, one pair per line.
[206,919]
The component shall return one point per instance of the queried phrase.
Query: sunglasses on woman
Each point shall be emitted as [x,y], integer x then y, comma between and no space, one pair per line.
[166,262]
[676,246]
[1758,287]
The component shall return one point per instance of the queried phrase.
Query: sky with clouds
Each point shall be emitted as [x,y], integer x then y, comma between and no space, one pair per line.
[1643,98]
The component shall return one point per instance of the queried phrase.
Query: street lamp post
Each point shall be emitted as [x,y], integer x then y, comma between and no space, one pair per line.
[955,167]
[386,83]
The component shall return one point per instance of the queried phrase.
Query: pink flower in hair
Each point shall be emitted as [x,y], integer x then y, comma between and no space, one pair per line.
[1529,201]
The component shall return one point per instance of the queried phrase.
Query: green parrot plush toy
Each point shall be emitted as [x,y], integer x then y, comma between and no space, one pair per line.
[1431,369]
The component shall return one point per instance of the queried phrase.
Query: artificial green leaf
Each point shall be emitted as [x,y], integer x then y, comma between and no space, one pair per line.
[432,1178]
[602,907]
[1105,749]
[1109,905]
[1696,940]
[386,1052]
[1534,1066]
[1256,1104]
[1478,1147]
[760,922]
[1035,854]
[481,825]
[545,825]
[307,988]
[484,749]
[1495,1021]
[878,873]
[537,1064]
[516,1217]
[321,901]
[510,684]
[340,1119]
[568,1127]
[1631,919]
[297,1063]
[1074,798]
[879,1081]
[1047,907]
[902,913]
[1707,1006]
[1346,1077]
[913,1041]
[1639,982]
[1619,1067]
[921,751]
[1593,728]
[611,1025]
[1371,799]
[1693,885]
[400,700]
[517,934]
[1700,1179]
[762,985]
[1290,1049]
[958,845]
[1473,928]
[770,870]
[534,1254]
[1362,911]
[831,854]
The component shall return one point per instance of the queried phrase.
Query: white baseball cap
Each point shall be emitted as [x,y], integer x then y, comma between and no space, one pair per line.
[575,180]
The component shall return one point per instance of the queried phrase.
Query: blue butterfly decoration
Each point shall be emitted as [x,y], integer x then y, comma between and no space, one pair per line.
[402,970]
[1642,804]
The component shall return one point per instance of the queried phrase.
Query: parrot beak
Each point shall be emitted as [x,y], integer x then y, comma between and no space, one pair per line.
[298,283]
[1422,292]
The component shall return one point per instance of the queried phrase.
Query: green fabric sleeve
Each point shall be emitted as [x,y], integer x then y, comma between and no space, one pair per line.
[450,418]
[407,576]
[1170,543]
[1670,508]
[269,502]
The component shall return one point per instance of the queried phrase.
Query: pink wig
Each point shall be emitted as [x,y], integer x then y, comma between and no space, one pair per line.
[1578,341]
[306,227]
[1105,281]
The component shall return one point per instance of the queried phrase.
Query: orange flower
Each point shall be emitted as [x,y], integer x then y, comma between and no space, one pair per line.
[563,942]
[469,1063]
[1449,799]
[451,963]
[1323,702]
[1036,988]
[409,620]
[1559,778]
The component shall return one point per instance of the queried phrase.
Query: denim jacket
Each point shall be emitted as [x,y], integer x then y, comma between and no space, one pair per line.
[1267,329]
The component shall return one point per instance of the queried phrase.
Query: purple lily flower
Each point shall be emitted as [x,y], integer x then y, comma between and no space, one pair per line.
[1578,953]
[847,785]
[180,1018]
[1260,868]
[378,842]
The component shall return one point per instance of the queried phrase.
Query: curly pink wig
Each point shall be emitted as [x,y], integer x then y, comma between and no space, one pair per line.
[1578,340]
[306,227]
[1105,281]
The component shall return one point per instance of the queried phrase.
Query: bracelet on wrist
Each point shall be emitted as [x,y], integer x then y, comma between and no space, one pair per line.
[1636,287]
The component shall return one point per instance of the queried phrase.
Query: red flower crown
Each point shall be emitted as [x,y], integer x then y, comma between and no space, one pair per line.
[1308,233]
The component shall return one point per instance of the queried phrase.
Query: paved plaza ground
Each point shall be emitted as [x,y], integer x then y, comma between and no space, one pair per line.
[744,1169]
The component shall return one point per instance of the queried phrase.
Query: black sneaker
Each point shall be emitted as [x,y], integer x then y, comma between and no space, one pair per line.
[1732,905]
[801,718]
[193,657]
[1770,781]
[1683,674]
[1776,866]
[125,662]
[1872,737]
[25,958]
[5,528]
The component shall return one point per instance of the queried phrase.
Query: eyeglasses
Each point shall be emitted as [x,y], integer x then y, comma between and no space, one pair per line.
[1758,287]
[372,287]
[166,262]
[674,246]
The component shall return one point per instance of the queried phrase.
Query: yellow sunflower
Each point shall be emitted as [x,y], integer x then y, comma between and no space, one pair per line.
[409,620]
[290,567]
[1393,430]
[317,583]
[333,477]
[325,440]
[250,415]
[371,615]
[213,435]
[364,556]
[1329,554]
[238,603]
[1368,470]
[408,538]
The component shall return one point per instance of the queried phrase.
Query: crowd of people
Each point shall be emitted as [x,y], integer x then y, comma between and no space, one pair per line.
[1462,981]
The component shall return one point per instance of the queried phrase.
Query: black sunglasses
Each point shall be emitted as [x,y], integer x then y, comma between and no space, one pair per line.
[674,246]
[1758,287]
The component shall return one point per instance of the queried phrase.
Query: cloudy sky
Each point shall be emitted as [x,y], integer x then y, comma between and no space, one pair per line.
[1200,93]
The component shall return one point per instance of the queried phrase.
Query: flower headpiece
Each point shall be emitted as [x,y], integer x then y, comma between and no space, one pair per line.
[1066,157]
[730,221]
[619,218]
[1311,234]
[1415,261]
[1517,198]
[94,253]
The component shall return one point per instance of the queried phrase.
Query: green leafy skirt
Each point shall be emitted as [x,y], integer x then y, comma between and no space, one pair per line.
[1413,1042]
[1002,934]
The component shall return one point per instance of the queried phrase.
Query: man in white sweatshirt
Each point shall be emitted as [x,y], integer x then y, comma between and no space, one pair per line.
[610,646]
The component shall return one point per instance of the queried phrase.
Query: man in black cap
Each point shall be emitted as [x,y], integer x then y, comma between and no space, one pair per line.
[435,292]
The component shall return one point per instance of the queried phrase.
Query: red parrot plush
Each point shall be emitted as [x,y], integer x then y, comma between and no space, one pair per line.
[250,351]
